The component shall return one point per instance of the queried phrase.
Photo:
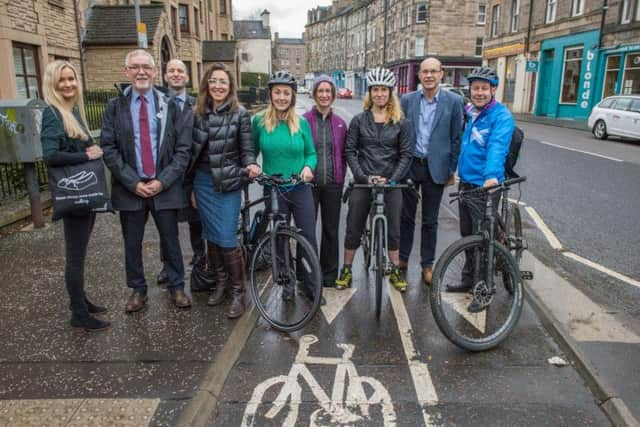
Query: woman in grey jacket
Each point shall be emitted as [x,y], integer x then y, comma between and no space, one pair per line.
[378,149]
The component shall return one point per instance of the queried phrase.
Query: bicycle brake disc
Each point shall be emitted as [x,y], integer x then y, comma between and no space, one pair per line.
[482,294]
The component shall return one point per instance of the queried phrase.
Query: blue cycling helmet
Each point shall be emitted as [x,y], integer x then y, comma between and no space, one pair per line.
[484,73]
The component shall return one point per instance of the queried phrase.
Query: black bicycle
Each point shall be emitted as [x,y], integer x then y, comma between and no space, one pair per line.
[284,302]
[374,238]
[488,263]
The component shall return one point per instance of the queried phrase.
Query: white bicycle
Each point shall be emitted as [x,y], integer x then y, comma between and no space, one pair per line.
[348,403]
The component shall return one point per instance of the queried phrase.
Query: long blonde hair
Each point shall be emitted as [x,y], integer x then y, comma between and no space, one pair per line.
[52,96]
[270,118]
[393,111]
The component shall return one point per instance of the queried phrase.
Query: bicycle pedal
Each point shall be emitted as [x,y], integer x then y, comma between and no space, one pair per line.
[526,275]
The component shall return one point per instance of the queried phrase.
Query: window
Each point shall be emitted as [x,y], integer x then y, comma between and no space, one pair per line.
[606,103]
[515,14]
[187,65]
[622,104]
[495,16]
[223,7]
[482,14]
[611,76]
[223,36]
[174,18]
[245,57]
[419,48]
[25,61]
[421,13]
[551,11]
[183,11]
[297,61]
[635,106]
[631,79]
[625,15]
[196,21]
[577,7]
[571,75]
[479,45]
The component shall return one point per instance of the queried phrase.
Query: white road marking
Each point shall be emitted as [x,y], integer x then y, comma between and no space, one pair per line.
[581,151]
[460,302]
[519,202]
[336,300]
[551,238]
[602,269]
[425,390]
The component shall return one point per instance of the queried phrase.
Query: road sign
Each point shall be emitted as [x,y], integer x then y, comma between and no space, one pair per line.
[142,35]
[532,66]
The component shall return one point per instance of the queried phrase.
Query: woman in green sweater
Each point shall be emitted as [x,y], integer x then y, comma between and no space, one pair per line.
[284,139]
[66,141]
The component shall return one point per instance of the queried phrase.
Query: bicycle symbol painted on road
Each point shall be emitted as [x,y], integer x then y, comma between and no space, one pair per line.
[349,402]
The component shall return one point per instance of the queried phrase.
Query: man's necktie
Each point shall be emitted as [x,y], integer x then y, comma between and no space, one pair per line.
[148,167]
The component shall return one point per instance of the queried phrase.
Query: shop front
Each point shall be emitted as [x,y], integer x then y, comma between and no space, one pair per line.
[568,76]
[620,67]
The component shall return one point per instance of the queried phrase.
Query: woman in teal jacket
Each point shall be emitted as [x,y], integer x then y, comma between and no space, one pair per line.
[66,141]
[285,141]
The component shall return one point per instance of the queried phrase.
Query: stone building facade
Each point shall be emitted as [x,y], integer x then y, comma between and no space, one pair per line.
[558,59]
[350,37]
[95,35]
[289,54]
[254,44]
[32,33]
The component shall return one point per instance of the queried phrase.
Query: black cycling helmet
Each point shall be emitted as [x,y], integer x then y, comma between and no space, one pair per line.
[484,73]
[283,77]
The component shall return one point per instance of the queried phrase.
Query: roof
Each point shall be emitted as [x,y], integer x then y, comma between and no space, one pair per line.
[290,41]
[250,30]
[218,50]
[115,25]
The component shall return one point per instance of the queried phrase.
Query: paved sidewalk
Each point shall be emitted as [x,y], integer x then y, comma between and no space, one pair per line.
[143,371]
[550,121]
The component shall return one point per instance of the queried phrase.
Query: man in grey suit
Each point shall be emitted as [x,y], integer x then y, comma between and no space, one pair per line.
[436,116]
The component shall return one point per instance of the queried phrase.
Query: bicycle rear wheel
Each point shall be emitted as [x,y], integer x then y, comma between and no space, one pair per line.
[487,328]
[287,305]
[516,231]
[379,267]
[366,250]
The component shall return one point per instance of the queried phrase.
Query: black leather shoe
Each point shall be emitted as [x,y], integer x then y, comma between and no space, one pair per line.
[89,323]
[95,308]
[163,278]
[464,285]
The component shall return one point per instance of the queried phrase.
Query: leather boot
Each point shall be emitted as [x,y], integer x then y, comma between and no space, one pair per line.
[234,262]
[216,266]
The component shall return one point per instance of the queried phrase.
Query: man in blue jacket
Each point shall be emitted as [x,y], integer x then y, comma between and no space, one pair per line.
[485,145]
[436,118]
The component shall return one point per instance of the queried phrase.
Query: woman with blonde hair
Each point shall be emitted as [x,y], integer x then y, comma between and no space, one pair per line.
[378,150]
[66,141]
[284,138]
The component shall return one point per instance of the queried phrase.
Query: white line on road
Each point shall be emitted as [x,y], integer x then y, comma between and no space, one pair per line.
[425,390]
[551,238]
[602,269]
[580,151]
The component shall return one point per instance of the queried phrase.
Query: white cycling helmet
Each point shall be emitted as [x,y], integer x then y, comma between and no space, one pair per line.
[381,77]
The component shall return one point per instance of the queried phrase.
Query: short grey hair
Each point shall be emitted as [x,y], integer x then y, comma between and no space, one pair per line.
[139,52]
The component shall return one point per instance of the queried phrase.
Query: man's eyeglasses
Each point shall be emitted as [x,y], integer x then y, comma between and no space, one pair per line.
[221,82]
[145,67]
[432,72]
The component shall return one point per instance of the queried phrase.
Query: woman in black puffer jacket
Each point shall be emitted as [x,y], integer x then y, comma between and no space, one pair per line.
[222,161]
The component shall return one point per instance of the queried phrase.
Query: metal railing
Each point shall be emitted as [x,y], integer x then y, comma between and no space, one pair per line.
[12,181]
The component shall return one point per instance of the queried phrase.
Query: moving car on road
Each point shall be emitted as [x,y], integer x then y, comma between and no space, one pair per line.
[616,116]
[345,93]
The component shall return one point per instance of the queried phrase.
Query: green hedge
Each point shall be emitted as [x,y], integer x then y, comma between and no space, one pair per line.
[251,79]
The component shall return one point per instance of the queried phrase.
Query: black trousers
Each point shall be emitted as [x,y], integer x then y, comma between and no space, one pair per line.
[133,225]
[77,230]
[195,237]
[359,207]
[431,195]
[328,201]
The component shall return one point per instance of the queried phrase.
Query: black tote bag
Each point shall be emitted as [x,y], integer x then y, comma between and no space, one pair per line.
[79,189]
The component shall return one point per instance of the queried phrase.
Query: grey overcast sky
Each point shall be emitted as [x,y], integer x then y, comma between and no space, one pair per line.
[288,17]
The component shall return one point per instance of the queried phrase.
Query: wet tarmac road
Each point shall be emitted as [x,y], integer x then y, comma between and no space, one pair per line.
[402,370]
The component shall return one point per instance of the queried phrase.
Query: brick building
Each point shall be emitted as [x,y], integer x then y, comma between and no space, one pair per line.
[289,54]
[96,35]
[350,37]
[558,59]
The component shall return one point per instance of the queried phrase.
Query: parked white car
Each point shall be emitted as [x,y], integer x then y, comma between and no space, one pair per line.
[616,116]
[302,89]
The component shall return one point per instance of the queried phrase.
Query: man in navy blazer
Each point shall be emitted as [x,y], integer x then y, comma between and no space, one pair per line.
[437,119]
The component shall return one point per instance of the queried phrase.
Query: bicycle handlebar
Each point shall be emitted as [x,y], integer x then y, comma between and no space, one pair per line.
[500,187]
[277,180]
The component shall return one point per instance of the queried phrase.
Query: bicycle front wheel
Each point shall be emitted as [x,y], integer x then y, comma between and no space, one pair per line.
[380,267]
[502,299]
[516,231]
[286,304]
